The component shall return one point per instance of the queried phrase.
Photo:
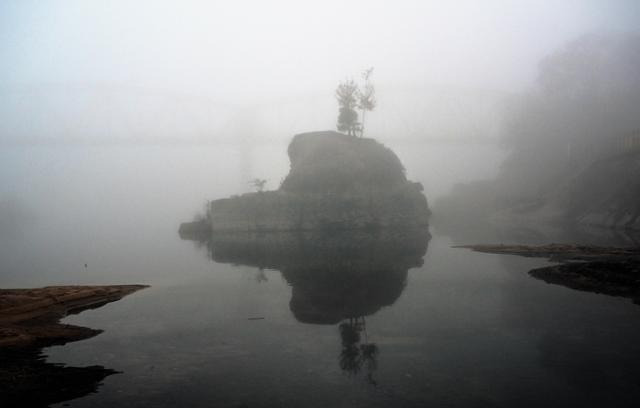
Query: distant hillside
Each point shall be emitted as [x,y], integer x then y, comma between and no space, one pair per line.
[604,194]
[572,141]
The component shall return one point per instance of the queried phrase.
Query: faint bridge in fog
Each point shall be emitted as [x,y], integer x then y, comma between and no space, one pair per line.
[120,113]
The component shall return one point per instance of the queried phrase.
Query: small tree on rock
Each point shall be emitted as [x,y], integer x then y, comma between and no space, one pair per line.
[348,95]
[258,184]
[350,98]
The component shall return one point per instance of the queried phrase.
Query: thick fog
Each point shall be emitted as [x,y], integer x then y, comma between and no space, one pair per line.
[153,142]
[156,71]
[231,82]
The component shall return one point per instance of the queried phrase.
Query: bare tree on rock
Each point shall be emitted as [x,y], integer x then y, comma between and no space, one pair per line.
[367,97]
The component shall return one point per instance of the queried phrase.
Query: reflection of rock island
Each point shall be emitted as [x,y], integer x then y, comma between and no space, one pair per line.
[334,276]
[336,182]
[338,277]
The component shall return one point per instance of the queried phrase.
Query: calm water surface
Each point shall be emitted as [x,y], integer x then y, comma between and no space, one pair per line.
[315,321]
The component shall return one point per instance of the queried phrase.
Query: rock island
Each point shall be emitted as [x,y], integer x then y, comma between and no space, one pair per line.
[336,182]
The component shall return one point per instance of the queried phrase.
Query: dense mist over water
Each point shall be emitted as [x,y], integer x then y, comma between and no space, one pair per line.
[254,72]
[248,76]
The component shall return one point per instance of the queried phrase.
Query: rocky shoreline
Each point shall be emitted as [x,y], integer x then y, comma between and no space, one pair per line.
[29,321]
[607,270]
[30,317]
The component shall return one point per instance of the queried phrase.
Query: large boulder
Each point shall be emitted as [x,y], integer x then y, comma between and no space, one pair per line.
[332,162]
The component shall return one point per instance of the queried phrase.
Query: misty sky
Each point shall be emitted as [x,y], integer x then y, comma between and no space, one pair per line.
[236,53]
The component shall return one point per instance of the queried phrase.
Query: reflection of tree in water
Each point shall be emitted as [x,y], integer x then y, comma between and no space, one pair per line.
[355,354]
[338,278]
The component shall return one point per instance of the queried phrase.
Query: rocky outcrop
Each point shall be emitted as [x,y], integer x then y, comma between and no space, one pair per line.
[30,317]
[29,321]
[607,270]
[334,163]
[336,182]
